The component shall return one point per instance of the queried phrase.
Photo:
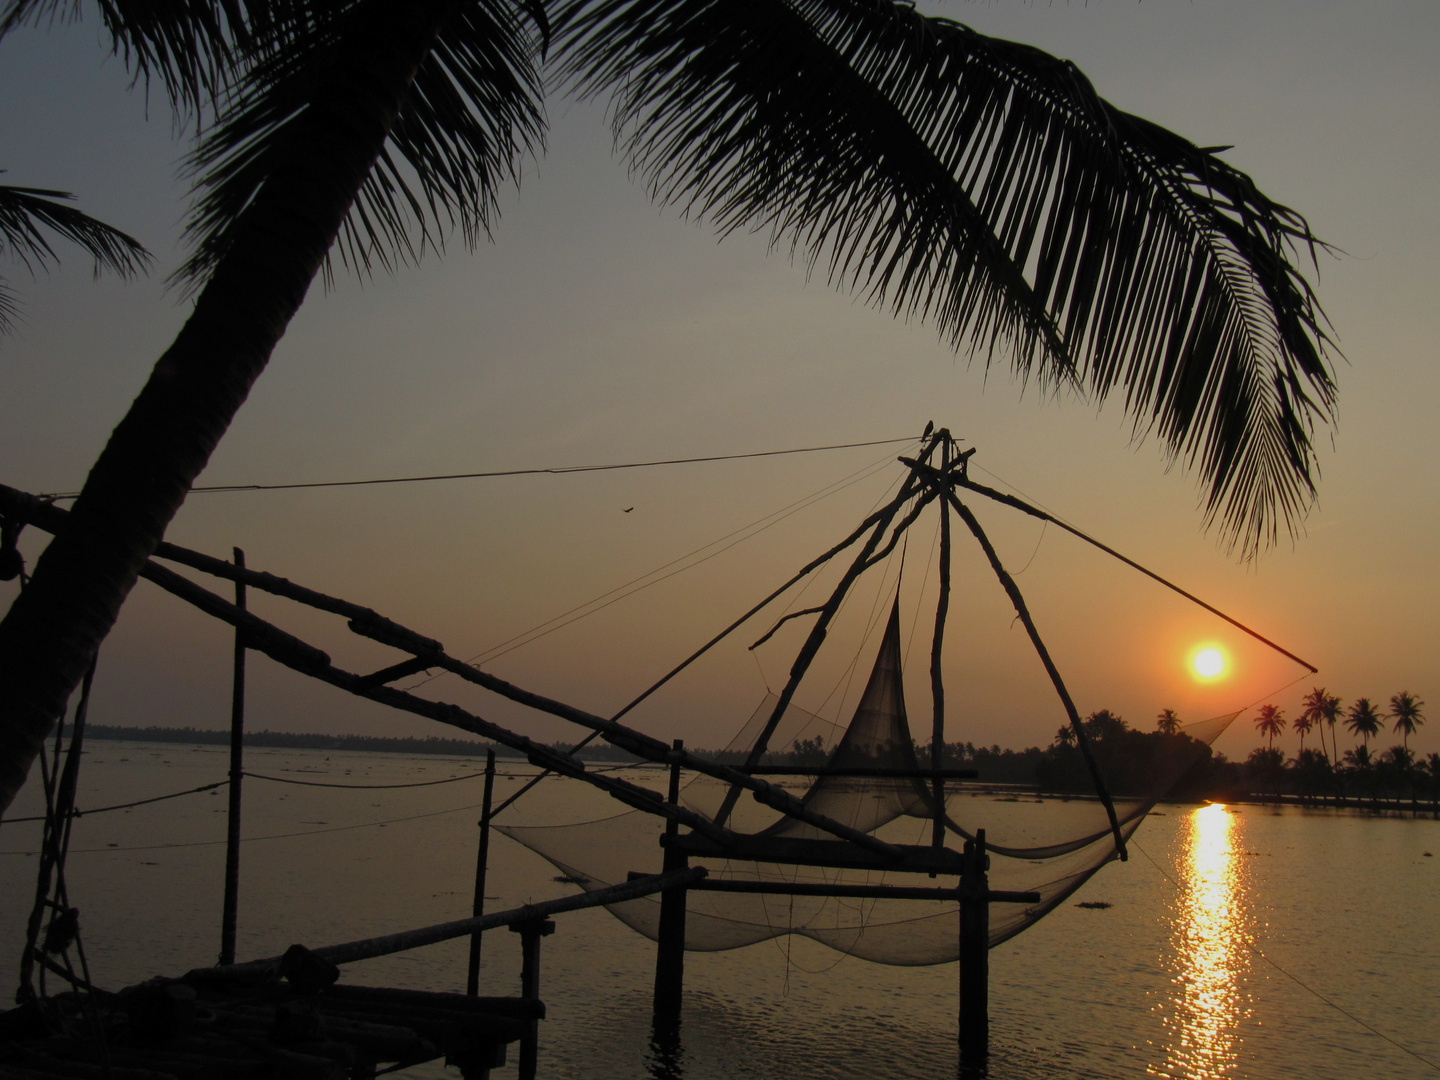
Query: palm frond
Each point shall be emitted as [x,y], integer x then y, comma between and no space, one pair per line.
[193,48]
[27,214]
[473,112]
[985,186]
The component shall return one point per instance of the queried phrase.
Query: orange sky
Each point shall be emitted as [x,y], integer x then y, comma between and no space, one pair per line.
[596,329]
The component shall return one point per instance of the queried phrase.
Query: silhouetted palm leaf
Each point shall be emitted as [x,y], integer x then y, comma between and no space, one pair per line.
[473,112]
[192,47]
[984,185]
[26,214]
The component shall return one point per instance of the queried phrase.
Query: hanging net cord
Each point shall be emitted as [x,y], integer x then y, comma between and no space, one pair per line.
[62,930]
[1049,845]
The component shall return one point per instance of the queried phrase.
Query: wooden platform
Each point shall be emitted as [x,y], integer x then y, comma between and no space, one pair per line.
[170,1030]
[797,851]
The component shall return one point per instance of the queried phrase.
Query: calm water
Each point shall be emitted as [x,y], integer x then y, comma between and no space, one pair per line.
[1167,982]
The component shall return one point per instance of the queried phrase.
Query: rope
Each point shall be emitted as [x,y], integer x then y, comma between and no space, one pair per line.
[1295,978]
[128,805]
[638,584]
[554,471]
[271,836]
[364,787]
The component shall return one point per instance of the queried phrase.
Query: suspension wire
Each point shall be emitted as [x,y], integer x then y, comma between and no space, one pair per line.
[553,471]
[808,575]
[625,590]
[270,836]
[312,783]
[621,592]
[361,787]
[1035,511]
[129,805]
[1180,887]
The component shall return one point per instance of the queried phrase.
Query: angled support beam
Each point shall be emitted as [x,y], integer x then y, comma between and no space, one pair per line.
[1023,611]
[369,948]
[385,676]
[301,656]
[816,638]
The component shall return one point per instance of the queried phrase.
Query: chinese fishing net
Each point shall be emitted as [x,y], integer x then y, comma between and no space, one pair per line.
[1048,844]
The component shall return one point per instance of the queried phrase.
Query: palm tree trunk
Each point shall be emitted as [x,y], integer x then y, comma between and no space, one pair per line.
[145,471]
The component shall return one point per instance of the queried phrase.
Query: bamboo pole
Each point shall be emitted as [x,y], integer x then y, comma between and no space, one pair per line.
[482,860]
[937,679]
[859,892]
[1013,591]
[369,948]
[1035,512]
[818,632]
[670,943]
[975,957]
[299,655]
[230,911]
[531,931]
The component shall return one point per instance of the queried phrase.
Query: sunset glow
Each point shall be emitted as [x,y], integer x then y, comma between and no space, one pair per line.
[1208,663]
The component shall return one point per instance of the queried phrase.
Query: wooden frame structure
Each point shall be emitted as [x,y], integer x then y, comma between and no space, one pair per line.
[936,473]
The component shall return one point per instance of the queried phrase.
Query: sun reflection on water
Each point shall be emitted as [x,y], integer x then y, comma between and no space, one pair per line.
[1204,1012]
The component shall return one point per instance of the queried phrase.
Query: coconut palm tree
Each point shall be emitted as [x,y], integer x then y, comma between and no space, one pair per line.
[1168,722]
[1302,723]
[1363,720]
[978,183]
[27,215]
[1270,721]
[1405,711]
[1330,710]
[1312,713]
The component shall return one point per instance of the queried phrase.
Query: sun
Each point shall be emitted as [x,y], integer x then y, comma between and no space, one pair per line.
[1208,663]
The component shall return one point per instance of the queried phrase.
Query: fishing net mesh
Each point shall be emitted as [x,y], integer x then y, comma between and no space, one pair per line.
[1048,844]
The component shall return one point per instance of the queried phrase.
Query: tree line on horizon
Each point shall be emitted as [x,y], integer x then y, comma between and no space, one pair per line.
[1357,772]
[1129,759]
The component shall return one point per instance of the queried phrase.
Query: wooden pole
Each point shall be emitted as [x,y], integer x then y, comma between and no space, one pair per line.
[387,944]
[237,774]
[670,950]
[1013,591]
[530,933]
[937,681]
[975,956]
[482,859]
[827,612]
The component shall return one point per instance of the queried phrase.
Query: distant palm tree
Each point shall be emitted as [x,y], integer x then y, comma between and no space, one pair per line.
[1361,767]
[1270,722]
[1103,724]
[1065,736]
[1405,709]
[1303,723]
[1313,713]
[1397,766]
[1432,766]
[1331,714]
[1363,720]
[1168,722]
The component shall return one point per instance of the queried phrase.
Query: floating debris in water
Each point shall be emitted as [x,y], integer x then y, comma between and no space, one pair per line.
[1095,905]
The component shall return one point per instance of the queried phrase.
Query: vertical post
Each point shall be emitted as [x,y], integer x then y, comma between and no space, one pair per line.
[237,752]
[670,950]
[937,682]
[975,956]
[530,934]
[482,859]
